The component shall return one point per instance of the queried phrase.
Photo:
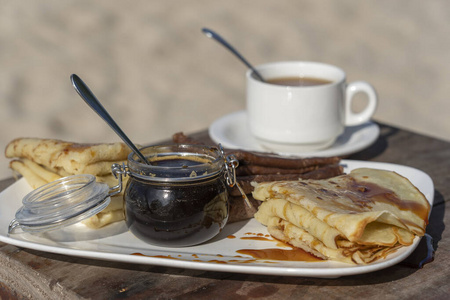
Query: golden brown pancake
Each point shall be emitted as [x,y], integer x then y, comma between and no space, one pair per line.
[65,158]
[356,218]
[41,161]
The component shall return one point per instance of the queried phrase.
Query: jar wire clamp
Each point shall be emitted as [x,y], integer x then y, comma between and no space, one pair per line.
[118,171]
[231,163]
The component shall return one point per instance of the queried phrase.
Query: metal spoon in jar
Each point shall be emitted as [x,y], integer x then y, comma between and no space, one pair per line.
[211,34]
[86,94]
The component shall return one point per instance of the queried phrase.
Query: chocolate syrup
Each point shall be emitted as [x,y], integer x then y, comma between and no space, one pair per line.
[176,214]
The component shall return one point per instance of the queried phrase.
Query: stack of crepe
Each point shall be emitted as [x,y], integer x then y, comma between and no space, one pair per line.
[42,161]
[355,218]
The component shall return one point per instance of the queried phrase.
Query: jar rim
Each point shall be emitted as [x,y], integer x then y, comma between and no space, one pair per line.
[208,162]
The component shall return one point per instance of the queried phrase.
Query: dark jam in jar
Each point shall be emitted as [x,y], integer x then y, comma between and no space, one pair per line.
[183,203]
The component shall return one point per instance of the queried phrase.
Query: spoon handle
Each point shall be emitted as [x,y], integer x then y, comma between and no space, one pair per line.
[86,94]
[211,34]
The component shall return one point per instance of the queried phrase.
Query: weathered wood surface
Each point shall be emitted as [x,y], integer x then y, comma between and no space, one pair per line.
[32,274]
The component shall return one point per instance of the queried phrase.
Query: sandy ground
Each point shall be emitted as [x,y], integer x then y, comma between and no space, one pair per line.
[157,74]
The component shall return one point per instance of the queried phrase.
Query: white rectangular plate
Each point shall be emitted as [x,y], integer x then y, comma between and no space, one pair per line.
[116,243]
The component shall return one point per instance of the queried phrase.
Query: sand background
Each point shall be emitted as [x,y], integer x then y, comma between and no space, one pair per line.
[157,74]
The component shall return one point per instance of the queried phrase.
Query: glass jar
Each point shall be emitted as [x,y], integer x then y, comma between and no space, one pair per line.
[180,198]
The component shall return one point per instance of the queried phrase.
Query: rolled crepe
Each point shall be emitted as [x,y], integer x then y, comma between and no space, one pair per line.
[357,218]
[33,178]
[66,158]
[41,161]
[105,217]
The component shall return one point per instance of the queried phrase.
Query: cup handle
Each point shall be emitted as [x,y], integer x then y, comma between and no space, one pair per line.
[351,118]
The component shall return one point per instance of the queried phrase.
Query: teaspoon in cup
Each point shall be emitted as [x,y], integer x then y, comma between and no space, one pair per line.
[211,34]
[86,94]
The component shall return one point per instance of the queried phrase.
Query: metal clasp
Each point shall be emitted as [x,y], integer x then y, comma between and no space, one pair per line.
[13,224]
[118,171]
[231,163]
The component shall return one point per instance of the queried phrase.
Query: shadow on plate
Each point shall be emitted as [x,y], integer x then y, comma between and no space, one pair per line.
[379,146]
[79,232]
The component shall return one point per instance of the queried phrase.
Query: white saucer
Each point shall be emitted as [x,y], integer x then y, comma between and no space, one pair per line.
[232,132]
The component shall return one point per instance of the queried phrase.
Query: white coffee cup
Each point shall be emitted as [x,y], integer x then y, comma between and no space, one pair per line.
[303,118]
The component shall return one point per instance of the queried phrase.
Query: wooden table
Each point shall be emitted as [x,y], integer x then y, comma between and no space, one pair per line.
[33,274]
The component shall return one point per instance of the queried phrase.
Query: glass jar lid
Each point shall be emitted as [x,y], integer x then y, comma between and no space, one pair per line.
[177,163]
[61,203]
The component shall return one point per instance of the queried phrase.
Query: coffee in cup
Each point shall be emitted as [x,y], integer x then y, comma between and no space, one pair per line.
[303,106]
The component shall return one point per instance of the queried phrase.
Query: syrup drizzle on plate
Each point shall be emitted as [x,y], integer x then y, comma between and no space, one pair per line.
[268,255]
